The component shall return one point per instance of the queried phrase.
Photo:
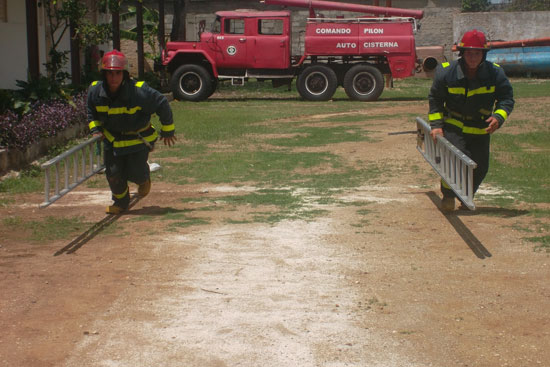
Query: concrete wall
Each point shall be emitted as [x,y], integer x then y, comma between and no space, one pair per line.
[504,26]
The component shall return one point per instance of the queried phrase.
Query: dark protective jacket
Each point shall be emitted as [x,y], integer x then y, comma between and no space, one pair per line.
[125,119]
[466,104]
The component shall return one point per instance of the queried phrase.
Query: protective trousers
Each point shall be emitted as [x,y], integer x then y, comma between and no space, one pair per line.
[474,146]
[120,169]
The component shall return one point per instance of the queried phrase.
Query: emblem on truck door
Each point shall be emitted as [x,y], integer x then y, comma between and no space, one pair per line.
[231,50]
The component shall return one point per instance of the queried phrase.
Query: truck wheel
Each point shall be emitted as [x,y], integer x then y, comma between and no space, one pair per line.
[191,83]
[363,83]
[213,88]
[317,83]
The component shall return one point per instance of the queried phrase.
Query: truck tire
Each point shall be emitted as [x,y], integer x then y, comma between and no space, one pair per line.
[363,83]
[317,83]
[191,83]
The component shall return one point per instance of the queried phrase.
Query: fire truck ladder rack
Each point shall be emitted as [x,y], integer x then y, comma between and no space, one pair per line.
[454,167]
[366,20]
[361,20]
[86,159]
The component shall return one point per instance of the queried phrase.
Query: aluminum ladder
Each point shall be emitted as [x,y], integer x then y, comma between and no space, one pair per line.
[86,159]
[454,167]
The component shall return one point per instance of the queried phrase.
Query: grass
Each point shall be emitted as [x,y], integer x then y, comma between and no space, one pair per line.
[273,141]
[521,164]
[542,243]
[51,228]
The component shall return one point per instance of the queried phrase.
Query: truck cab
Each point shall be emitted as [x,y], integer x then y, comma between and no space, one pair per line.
[250,40]
[242,44]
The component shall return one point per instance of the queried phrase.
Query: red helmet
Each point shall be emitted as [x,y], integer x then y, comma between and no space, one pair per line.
[114,60]
[473,39]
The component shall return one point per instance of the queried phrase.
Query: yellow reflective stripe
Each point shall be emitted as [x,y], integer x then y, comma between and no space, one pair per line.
[95,82]
[457,90]
[455,123]
[94,123]
[445,64]
[497,65]
[123,110]
[118,110]
[466,129]
[473,92]
[473,130]
[482,90]
[129,143]
[120,196]
[444,184]
[435,116]
[139,84]
[502,113]
[138,131]
[108,136]
[168,128]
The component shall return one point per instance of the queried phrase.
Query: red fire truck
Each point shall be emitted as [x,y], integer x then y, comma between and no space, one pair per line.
[354,53]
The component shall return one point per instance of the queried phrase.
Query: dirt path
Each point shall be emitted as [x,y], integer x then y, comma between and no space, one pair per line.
[393,283]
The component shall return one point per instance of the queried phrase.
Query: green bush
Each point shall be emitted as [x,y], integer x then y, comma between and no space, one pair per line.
[475,6]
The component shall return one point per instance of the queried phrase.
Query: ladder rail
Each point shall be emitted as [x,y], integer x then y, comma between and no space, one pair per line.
[83,165]
[454,167]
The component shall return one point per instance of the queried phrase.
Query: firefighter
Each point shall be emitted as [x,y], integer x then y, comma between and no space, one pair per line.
[119,109]
[470,99]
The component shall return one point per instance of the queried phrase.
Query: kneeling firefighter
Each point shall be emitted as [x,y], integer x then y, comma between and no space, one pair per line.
[120,108]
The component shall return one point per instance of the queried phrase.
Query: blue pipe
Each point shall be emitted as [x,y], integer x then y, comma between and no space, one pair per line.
[522,60]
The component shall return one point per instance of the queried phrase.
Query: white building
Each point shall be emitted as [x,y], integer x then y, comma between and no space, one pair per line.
[13,42]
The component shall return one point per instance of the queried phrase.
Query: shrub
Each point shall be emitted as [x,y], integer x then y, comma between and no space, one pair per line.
[475,6]
[44,119]
[6,100]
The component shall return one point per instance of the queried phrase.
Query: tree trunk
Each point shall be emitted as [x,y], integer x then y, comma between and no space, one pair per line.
[116,30]
[139,21]
[32,39]
[178,23]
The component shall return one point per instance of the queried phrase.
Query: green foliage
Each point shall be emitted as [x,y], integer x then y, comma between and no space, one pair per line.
[41,89]
[469,6]
[529,5]
[6,100]
[150,29]
[61,16]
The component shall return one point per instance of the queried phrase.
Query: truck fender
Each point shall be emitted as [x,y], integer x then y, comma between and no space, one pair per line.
[187,54]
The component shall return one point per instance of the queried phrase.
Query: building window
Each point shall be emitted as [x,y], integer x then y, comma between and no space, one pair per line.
[4,11]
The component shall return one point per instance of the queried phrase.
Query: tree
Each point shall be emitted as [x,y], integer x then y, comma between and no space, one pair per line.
[150,29]
[530,5]
[475,6]
[178,22]
[62,15]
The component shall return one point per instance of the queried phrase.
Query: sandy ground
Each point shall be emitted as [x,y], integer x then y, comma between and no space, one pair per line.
[402,285]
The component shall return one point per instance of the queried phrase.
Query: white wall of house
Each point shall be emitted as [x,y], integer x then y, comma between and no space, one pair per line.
[13,44]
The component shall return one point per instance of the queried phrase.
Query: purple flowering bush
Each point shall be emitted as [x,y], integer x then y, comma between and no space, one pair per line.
[44,119]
